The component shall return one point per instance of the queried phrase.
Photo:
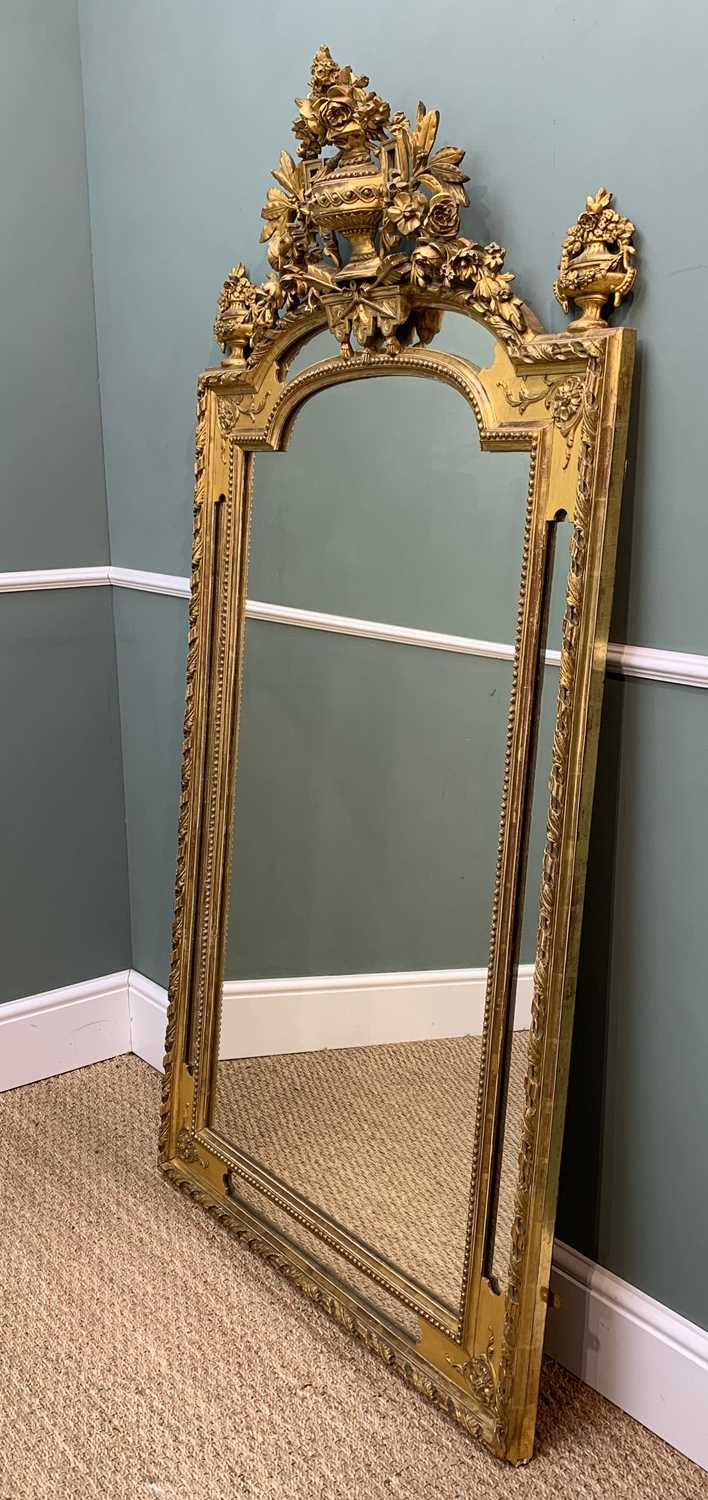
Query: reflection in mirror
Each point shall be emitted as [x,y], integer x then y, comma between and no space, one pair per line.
[458,335]
[367,800]
[517,1055]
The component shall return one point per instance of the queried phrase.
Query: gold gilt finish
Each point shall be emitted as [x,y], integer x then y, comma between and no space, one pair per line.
[385,186]
[596,261]
[388,190]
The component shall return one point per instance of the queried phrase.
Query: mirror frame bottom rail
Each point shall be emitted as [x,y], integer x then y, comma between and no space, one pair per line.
[485,1371]
[448,1392]
[240,1169]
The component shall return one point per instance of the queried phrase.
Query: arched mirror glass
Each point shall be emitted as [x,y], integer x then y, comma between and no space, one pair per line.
[383,593]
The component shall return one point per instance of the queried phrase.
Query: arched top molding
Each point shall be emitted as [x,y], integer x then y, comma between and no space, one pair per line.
[512,399]
[257,405]
[419,362]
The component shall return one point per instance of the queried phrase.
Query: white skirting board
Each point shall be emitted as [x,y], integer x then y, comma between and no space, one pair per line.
[147,1005]
[645,1358]
[85,1023]
[263,1017]
[54,1032]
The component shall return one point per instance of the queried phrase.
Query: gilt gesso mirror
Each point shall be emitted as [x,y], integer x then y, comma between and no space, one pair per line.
[389,753]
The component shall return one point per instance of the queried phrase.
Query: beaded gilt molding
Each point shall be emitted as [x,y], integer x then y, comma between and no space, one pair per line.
[364,239]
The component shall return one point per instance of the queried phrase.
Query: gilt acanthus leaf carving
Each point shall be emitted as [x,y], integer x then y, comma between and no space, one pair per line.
[562,398]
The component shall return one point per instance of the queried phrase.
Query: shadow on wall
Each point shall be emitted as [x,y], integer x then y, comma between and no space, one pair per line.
[578,1221]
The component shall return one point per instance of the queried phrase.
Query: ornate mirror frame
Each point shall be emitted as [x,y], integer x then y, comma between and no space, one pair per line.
[564,398]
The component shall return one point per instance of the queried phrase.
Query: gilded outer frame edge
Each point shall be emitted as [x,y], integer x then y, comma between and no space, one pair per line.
[586,624]
[502,1412]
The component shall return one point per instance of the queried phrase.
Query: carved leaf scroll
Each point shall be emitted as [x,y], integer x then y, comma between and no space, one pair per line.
[562,398]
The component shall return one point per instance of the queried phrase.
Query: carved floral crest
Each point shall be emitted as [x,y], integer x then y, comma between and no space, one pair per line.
[362,231]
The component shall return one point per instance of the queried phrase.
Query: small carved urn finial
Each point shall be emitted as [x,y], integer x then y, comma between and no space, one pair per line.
[596,261]
[234,316]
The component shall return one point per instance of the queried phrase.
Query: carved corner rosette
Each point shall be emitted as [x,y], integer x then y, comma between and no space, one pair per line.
[597,261]
[360,227]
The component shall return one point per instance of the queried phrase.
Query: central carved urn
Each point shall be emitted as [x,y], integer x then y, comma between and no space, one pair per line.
[349,199]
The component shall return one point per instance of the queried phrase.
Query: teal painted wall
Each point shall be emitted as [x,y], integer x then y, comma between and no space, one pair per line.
[633,1187]
[368,806]
[63,902]
[187,108]
[151,639]
[63,874]
[53,510]
[385,508]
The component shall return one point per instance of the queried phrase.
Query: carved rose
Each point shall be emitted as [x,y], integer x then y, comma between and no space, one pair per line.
[442,220]
[588,226]
[407,210]
[426,265]
[336,115]
[464,263]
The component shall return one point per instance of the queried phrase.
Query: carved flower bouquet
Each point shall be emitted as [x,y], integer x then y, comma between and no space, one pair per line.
[387,199]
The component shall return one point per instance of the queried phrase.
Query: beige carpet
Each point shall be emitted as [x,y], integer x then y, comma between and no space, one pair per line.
[381,1139]
[146,1356]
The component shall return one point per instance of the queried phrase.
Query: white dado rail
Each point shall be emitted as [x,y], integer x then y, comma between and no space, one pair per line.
[681,667]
